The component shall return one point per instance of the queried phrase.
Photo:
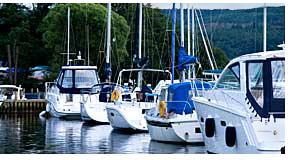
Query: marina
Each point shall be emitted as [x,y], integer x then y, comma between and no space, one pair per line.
[134,79]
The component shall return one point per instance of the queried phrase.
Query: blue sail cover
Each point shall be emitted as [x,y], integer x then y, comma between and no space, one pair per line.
[184,59]
[179,97]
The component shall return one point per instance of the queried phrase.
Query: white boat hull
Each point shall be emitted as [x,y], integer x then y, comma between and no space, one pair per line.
[252,136]
[184,129]
[61,109]
[128,116]
[94,112]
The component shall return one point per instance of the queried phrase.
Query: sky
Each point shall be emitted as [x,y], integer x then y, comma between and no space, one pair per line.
[231,6]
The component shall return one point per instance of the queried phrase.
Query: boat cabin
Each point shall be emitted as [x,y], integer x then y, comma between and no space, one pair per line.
[73,79]
[260,77]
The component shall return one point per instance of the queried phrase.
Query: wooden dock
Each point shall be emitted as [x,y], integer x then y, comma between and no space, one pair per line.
[23,106]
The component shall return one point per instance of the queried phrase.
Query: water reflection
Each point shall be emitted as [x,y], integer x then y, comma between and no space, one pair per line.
[167,148]
[31,134]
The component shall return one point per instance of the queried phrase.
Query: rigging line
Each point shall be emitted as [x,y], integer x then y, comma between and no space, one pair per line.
[114,47]
[101,35]
[208,42]
[197,48]
[205,45]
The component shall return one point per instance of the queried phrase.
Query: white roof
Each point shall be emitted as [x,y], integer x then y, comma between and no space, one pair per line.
[79,67]
[260,56]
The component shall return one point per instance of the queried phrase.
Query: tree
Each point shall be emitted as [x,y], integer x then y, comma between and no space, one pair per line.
[54,28]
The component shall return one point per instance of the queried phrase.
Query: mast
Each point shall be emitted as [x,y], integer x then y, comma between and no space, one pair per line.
[173,40]
[265,28]
[189,37]
[140,76]
[182,36]
[193,41]
[68,49]
[107,65]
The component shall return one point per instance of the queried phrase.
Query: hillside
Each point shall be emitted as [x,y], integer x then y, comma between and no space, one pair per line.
[240,32]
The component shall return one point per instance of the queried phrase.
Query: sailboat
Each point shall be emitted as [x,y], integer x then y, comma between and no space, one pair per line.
[93,105]
[245,111]
[175,119]
[64,94]
[131,102]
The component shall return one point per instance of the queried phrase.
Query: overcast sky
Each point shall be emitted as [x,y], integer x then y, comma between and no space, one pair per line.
[217,5]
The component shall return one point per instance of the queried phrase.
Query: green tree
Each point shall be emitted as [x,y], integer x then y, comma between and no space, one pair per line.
[54,26]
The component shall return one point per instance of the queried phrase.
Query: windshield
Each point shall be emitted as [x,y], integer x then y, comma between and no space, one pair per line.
[85,78]
[82,78]
[278,78]
[230,79]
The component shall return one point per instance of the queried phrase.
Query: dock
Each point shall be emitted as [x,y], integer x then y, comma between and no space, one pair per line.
[23,106]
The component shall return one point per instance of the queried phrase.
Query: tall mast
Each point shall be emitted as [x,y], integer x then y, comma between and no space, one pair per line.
[265,28]
[182,36]
[173,39]
[68,49]
[140,76]
[107,67]
[189,37]
[193,41]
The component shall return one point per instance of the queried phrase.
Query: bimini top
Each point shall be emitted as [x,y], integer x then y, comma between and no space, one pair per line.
[180,94]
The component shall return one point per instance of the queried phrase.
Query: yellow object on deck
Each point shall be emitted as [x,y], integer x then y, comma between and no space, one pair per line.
[162,109]
[115,95]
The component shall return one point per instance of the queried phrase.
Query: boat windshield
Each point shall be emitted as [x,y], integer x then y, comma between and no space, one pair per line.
[278,78]
[85,78]
[82,78]
[230,79]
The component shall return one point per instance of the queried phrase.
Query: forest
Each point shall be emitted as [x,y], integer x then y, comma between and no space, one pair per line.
[36,34]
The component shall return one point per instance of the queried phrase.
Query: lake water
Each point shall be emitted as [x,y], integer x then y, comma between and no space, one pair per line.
[31,134]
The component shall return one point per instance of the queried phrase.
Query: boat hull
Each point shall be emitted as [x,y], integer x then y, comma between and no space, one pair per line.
[251,136]
[127,116]
[94,112]
[185,129]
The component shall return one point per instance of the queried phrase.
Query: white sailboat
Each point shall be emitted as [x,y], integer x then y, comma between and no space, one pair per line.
[130,105]
[245,111]
[64,94]
[93,105]
[174,119]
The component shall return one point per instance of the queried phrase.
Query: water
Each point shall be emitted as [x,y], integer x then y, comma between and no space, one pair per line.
[31,134]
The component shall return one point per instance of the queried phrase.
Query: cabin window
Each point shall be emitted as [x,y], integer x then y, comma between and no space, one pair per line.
[67,79]
[85,78]
[255,79]
[278,78]
[230,79]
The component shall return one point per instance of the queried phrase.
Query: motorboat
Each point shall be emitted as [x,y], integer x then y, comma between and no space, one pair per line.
[245,110]
[11,92]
